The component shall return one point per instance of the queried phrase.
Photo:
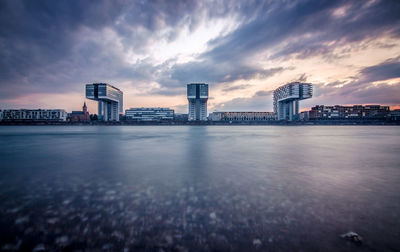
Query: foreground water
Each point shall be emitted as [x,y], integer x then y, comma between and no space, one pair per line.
[203,188]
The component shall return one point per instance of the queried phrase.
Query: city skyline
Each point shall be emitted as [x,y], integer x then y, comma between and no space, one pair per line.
[286,100]
[349,50]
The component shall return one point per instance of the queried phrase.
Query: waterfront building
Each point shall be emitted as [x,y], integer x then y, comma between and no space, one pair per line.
[395,115]
[109,98]
[149,114]
[197,95]
[1,115]
[34,115]
[356,112]
[287,97]
[181,117]
[80,116]
[242,116]
[304,116]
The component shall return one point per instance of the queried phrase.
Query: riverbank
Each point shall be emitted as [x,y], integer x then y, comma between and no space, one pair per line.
[196,123]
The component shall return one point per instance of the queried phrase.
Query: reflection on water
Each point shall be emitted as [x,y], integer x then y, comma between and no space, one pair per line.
[202,188]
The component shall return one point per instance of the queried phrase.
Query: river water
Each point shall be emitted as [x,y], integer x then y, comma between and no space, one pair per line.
[201,188]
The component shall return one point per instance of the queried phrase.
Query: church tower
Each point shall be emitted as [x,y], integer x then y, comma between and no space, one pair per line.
[84,108]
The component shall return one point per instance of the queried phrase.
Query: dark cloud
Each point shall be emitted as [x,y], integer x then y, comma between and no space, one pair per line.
[324,32]
[361,89]
[226,61]
[358,91]
[211,72]
[386,70]
[34,34]
[48,45]
[57,46]
[353,93]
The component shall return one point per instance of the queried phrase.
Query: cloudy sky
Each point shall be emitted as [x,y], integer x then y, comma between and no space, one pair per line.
[349,50]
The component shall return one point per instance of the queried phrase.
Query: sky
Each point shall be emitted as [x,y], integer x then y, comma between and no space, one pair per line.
[49,50]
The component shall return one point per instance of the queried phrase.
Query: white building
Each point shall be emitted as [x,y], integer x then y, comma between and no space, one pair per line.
[149,114]
[34,115]
[197,95]
[241,116]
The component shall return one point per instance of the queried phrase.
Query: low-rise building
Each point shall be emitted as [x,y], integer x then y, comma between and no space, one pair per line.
[181,117]
[356,112]
[34,115]
[395,115]
[304,116]
[242,116]
[149,114]
[80,116]
[1,115]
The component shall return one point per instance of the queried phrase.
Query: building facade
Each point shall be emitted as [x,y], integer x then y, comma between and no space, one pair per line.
[149,114]
[34,115]
[394,115]
[287,97]
[304,116]
[356,112]
[197,95]
[80,116]
[242,116]
[109,98]
[181,117]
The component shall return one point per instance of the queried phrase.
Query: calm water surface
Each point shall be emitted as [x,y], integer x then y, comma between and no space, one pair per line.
[202,188]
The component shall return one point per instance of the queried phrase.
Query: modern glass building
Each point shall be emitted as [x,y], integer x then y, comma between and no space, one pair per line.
[197,95]
[149,114]
[110,100]
[287,97]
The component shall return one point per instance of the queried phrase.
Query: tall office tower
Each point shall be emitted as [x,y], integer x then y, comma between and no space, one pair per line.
[287,97]
[109,100]
[197,94]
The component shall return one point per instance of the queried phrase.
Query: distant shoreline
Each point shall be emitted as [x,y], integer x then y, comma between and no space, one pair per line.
[205,123]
